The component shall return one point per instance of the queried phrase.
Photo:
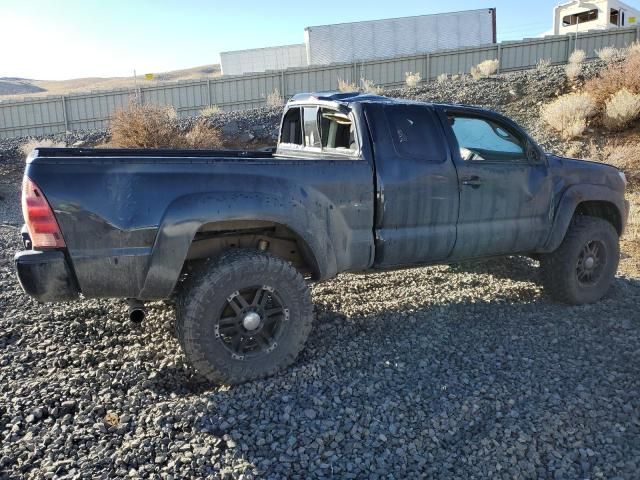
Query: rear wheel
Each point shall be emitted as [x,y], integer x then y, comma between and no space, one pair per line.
[244,316]
[582,268]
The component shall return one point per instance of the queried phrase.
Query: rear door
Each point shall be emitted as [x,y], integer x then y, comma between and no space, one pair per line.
[417,190]
[505,186]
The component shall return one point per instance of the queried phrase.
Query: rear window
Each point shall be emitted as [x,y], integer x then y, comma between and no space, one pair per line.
[415,133]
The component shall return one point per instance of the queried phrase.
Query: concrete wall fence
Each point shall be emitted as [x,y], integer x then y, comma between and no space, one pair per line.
[88,111]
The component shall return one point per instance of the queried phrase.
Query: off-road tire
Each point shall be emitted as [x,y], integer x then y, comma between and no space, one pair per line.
[559,268]
[204,295]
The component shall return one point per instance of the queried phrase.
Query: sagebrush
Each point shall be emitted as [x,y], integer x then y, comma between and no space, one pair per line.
[569,114]
[577,56]
[275,98]
[573,71]
[210,111]
[346,87]
[485,69]
[626,157]
[370,87]
[616,77]
[609,54]
[621,110]
[543,64]
[155,126]
[412,79]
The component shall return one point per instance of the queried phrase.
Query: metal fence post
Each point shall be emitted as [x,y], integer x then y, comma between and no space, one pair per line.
[499,57]
[64,113]
[428,69]
[282,85]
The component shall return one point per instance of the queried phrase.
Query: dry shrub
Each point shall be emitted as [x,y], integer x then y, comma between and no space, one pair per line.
[616,77]
[370,87]
[443,77]
[573,71]
[573,151]
[203,135]
[154,126]
[621,110]
[485,69]
[609,54]
[346,86]
[626,157]
[577,56]
[31,145]
[210,111]
[275,99]
[543,64]
[633,49]
[145,126]
[412,79]
[569,114]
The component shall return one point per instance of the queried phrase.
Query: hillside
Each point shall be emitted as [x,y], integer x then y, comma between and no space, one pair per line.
[15,88]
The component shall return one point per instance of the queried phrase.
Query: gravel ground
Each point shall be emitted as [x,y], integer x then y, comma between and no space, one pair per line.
[441,372]
[10,185]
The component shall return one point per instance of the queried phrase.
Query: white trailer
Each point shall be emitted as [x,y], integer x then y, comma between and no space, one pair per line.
[582,16]
[256,60]
[369,40]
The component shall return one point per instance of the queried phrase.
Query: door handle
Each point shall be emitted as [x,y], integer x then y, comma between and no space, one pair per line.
[473,181]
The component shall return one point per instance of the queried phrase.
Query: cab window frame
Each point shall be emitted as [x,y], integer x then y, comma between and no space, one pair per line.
[501,122]
[286,149]
[287,145]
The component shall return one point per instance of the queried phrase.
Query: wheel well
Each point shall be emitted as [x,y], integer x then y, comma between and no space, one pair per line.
[214,238]
[600,209]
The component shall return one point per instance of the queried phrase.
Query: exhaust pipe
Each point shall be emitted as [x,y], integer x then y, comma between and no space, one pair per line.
[136,310]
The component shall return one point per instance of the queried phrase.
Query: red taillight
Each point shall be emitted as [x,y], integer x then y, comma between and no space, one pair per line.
[41,223]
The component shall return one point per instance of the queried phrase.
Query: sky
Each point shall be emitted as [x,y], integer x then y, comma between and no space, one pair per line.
[61,39]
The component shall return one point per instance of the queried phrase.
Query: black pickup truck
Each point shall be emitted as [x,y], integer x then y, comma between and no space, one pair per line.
[357,182]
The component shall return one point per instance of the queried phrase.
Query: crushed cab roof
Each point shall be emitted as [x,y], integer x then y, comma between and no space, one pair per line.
[344,99]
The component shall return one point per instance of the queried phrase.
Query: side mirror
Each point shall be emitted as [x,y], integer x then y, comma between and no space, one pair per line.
[533,154]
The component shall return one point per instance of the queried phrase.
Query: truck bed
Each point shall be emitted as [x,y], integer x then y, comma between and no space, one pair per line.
[130,216]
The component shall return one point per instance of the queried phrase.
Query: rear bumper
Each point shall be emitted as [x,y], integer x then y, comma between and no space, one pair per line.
[46,275]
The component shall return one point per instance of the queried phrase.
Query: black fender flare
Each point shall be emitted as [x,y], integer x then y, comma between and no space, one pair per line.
[187,214]
[570,200]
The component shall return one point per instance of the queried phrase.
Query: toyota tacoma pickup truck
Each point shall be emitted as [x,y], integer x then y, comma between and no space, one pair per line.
[356,183]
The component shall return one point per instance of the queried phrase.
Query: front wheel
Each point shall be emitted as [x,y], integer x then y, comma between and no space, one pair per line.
[244,316]
[581,270]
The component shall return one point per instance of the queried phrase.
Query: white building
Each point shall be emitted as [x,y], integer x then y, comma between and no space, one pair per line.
[582,16]
[360,41]
[391,37]
[262,59]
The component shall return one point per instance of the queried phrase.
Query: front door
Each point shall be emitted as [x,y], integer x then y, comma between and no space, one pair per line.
[505,187]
